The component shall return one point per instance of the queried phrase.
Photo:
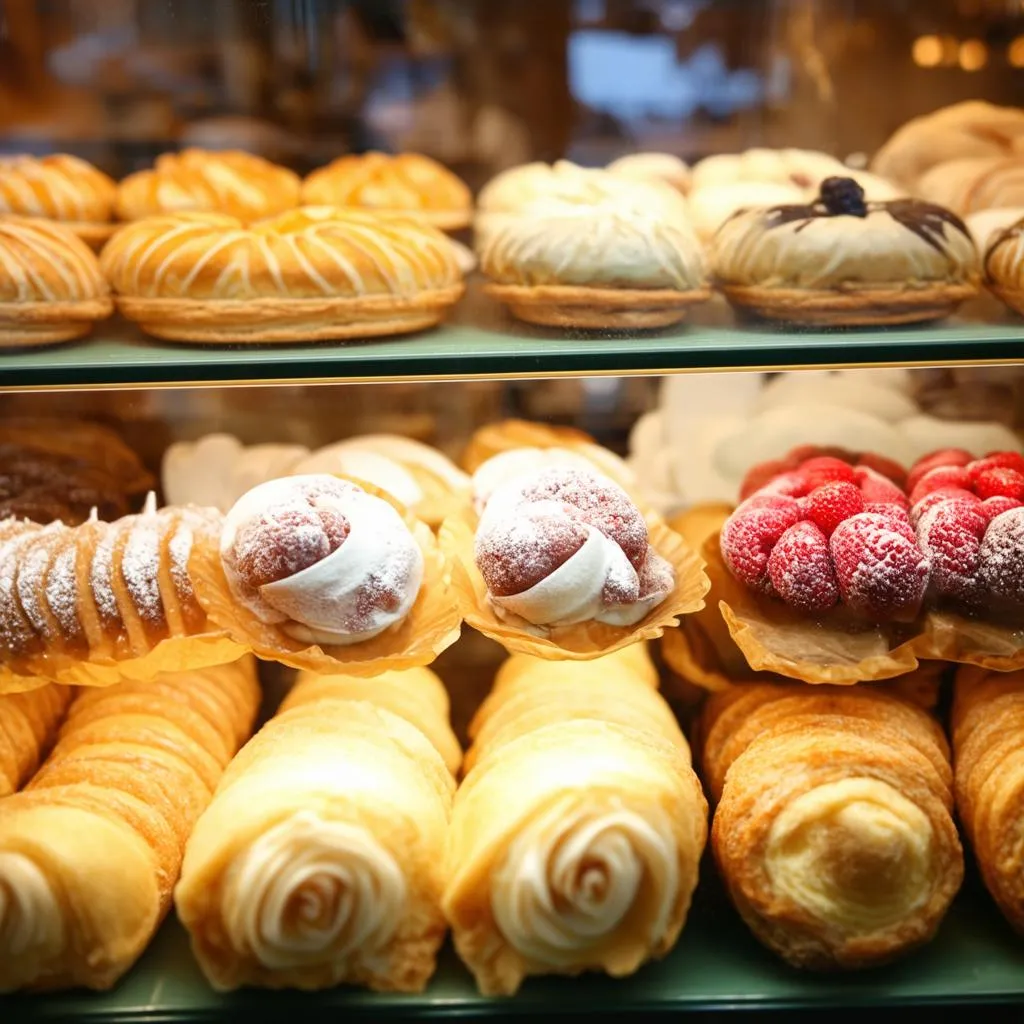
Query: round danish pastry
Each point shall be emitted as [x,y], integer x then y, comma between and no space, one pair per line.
[1004,265]
[231,182]
[61,188]
[407,184]
[310,274]
[51,287]
[845,261]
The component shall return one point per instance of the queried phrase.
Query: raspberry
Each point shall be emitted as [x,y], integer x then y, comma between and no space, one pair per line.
[761,475]
[890,470]
[895,515]
[940,476]
[877,489]
[999,483]
[801,570]
[943,457]
[827,506]
[882,573]
[1002,556]
[997,460]
[749,535]
[935,497]
[825,470]
[791,484]
[950,534]
[993,507]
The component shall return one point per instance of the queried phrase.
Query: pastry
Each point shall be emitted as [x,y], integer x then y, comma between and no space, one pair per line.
[625,260]
[968,185]
[90,850]
[834,831]
[28,723]
[320,859]
[985,225]
[409,184]
[712,205]
[844,261]
[230,182]
[1004,264]
[653,167]
[310,274]
[576,836]
[799,168]
[987,733]
[51,287]
[61,188]
[565,546]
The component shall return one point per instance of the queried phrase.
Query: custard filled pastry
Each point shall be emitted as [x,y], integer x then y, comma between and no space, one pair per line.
[60,188]
[232,182]
[310,274]
[834,831]
[577,834]
[51,286]
[1004,265]
[846,261]
[28,724]
[988,747]
[91,849]
[320,860]
[408,184]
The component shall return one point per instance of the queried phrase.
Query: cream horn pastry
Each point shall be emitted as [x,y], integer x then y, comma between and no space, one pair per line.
[568,545]
[834,831]
[28,723]
[91,849]
[319,861]
[577,834]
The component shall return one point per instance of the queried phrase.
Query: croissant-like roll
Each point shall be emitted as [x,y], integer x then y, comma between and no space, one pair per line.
[988,746]
[834,832]
[320,860]
[91,849]
[577,834]
[28,722]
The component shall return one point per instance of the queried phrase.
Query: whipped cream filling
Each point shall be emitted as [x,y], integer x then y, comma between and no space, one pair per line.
[572,876]
[30,918]
[309,892]
[855,854]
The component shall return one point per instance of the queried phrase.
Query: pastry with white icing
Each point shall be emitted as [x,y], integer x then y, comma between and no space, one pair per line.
[653,167]
[320,860]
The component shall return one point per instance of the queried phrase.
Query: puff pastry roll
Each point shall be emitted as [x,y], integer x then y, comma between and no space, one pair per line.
[834,831]
[320,859]
[577,833]
[91,848]
[988,744]
[28,722]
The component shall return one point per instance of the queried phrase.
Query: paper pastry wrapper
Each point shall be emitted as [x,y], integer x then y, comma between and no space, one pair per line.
[951,636]
[432,625]
[581,641]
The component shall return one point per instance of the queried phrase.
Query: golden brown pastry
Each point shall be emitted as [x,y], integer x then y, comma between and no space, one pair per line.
[834,830]
[842,260]
[310,274]
[577,833]
[969,185]
[51,287]
[1004,265]
[320,860]
[409,184]
[61,188]
[28,722]
[988,746]
[231,182]
[91,849]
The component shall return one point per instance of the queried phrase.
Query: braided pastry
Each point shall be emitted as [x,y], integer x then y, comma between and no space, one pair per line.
[28,722]
[834,830]
[319,861]
[91,849]
[577,834]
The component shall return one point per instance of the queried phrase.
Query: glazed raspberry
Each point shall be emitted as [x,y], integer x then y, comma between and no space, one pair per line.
[1002,556]
[993,507]
[882,574]
[801,571]
[876,488]
[935,497]
[943,457]
[749,535]
[829,505]
[941,476]
[997,460]
[999,483]
[950,534]
[825,470]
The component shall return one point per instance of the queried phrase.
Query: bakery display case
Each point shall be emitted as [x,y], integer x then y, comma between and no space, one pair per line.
[510,508]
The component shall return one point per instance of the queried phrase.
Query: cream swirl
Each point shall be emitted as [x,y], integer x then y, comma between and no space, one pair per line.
[855,853]
[575,874]
[310,891]
[30,916]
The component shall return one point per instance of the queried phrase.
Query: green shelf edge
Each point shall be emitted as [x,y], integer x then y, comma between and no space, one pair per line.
[483,342]
[976,959]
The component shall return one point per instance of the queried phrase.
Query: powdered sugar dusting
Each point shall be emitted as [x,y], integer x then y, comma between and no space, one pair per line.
[140,567]
[1002,556]
[16,633]
[101,574]
[950,534]
[61,590]
[801,571]
[32,566]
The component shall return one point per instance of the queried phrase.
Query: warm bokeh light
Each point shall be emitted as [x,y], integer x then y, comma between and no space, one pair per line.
[927,51]
[1015,52]
[950,50]
[973,54]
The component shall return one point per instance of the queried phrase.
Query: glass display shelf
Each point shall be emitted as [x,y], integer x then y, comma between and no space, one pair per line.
[976,959]
[481,341]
